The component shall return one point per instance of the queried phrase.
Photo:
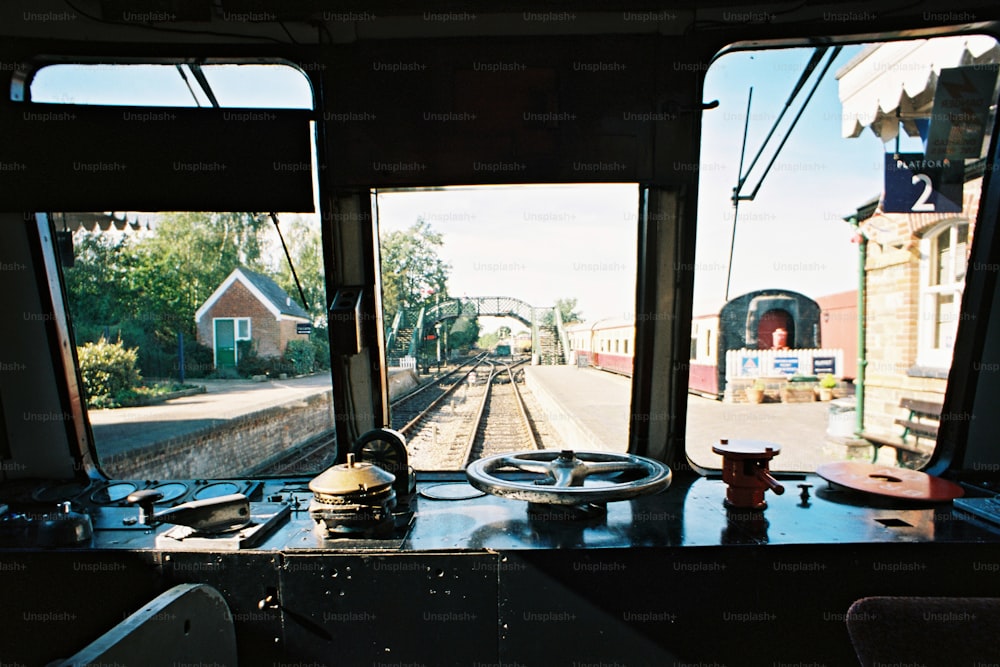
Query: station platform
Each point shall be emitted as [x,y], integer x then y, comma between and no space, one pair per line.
[589,409]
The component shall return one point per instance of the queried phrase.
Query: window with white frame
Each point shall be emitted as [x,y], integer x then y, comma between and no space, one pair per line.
[243,328]
[943,260]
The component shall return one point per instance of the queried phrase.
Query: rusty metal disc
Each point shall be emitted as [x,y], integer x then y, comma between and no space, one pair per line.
[889,481]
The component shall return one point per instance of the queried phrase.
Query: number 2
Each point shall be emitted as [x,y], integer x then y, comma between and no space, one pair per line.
[922,204]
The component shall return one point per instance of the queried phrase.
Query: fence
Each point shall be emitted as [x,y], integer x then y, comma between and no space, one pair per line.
[775,363]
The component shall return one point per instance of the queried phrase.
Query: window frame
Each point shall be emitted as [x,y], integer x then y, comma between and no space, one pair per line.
[929,355]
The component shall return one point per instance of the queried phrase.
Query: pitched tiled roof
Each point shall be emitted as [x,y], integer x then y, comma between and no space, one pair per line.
[278,297]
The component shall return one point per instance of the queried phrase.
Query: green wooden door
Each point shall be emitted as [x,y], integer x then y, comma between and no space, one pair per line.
[225,344]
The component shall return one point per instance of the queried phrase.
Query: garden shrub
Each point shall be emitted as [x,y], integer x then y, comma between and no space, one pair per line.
[107,369]
[301,354]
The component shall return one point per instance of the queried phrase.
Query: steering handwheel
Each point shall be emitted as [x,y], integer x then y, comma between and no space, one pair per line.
[565,474]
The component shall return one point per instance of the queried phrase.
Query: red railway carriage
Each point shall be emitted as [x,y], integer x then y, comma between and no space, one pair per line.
[608,344]
[746,321]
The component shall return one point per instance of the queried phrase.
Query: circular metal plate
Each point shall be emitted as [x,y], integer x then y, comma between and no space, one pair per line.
[114,492]
[456,491]
[217,489]
[60,491]
[889,481]
[171,491]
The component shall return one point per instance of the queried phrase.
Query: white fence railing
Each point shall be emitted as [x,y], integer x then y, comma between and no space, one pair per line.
[403,362]
[774,363]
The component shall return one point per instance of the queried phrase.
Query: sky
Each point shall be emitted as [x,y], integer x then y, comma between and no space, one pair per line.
[545,243]
[540,243]
[537,243]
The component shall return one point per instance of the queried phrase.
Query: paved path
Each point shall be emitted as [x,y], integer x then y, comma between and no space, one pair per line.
[600,403]
[125,428]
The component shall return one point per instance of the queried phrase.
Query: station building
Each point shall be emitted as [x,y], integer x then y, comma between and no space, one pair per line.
[914,262]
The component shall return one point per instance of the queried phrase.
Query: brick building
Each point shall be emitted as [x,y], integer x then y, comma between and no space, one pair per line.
[838,327]
[249,306]
[914,278]
[915,261]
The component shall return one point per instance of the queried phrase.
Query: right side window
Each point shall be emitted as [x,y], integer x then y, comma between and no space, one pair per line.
[943,261]
[838,197]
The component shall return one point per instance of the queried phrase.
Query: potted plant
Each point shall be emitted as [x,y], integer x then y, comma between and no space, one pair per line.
[755,392]
[826,385]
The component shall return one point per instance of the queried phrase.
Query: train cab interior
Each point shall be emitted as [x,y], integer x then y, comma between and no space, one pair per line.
[671,557]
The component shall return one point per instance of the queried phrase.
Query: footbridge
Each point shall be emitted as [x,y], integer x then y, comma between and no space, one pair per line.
[411,326]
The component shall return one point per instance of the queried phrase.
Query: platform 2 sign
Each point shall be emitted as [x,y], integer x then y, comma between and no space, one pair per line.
[915,184]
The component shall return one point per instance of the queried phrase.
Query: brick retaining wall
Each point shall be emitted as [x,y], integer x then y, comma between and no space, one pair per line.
[228,449]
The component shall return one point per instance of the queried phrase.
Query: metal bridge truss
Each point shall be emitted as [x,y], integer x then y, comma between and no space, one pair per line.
[409,328]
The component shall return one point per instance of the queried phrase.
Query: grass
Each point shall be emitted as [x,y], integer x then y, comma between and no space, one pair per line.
[139,395]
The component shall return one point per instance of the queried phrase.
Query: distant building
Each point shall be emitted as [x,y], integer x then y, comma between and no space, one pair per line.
[838,327]
[249,306]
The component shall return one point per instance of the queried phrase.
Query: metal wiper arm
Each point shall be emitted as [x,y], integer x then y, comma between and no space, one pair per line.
[199,74]
[180,70]
[288,256]
[814,61]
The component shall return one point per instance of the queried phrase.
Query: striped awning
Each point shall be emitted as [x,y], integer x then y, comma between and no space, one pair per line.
[894,82]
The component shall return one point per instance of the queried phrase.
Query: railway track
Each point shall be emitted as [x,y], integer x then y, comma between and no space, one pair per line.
[409,410]
[475,410]
[485,417]
[503,424]
[305,459]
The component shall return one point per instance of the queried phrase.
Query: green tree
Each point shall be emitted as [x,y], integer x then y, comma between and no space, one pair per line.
[488,340]
[145,290]
[101,285]
[463,332]
[188,258]
[305,245]
[567,309]
[413,275]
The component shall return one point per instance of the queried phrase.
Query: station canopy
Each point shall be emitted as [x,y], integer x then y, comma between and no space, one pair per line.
[893,83]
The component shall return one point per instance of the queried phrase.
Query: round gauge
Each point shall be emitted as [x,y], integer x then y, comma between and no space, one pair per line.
[171,491]
[113,492]
[60,491]
[217,489]
[385,448]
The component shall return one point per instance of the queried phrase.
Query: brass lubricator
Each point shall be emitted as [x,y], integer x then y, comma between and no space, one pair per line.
[353,497]
[745,472]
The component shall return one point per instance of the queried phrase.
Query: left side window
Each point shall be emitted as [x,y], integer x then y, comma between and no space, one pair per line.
[200,354]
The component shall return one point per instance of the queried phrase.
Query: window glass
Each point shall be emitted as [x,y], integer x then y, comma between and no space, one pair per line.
[867,174]
[272,86]
[473,271]
[187,324]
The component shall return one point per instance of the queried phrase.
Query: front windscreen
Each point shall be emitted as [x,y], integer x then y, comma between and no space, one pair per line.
[838,196]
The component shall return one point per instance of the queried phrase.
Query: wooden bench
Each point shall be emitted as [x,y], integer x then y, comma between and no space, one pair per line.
[922,422]
[920,410]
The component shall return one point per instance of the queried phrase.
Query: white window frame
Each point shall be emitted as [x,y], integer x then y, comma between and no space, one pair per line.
[929,356]
[236,323]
